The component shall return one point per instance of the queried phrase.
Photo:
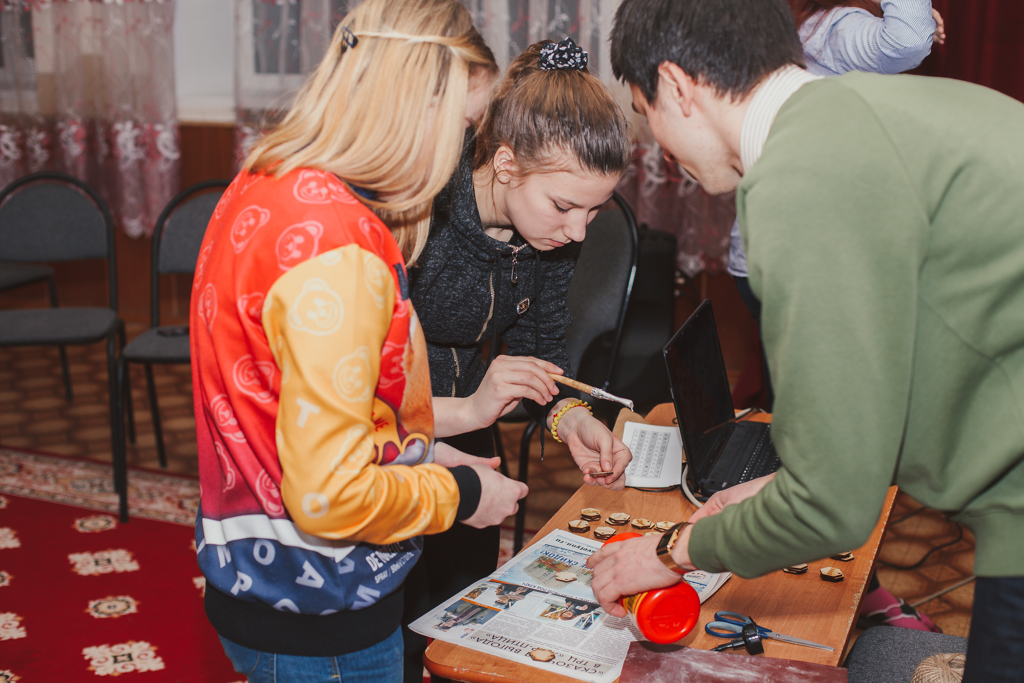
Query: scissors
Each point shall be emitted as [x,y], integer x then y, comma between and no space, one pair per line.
[744,632]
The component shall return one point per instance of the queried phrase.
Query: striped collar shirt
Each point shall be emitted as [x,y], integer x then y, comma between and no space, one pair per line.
[778,87]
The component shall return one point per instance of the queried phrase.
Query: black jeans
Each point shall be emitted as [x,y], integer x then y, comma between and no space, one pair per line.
[995,649]
[451,561]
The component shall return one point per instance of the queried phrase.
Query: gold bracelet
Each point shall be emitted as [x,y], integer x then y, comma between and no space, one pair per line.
[562,411]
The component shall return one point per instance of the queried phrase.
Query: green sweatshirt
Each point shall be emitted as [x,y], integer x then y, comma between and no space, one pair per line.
[884,232]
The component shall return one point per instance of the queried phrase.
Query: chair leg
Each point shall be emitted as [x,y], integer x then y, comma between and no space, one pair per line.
[117,371]
[127,385]
[154,411]
[499,448]
[524,465]
[63,352]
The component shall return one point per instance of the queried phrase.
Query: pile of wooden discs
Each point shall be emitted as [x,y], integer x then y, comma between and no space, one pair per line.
[615,519]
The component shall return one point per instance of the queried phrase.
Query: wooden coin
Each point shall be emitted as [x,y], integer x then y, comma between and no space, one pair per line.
[795,569]
[604,532]
[654,533]
[590,514]
[617,518]
[541,654]
[664,526]
[831,574]
[565,577]
[641,523]
[843,557]
[579,526]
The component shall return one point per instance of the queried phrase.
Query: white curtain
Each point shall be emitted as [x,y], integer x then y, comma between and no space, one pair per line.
[279,41]
[87,87]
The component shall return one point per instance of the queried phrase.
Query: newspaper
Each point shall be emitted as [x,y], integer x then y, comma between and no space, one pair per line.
[538,609]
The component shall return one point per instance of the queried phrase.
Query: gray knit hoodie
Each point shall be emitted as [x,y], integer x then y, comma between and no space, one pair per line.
[464,296]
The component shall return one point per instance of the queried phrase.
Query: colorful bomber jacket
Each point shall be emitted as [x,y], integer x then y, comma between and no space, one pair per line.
[313,418]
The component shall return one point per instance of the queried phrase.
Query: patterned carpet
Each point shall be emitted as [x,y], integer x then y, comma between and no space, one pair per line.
[83,595]
[34,415]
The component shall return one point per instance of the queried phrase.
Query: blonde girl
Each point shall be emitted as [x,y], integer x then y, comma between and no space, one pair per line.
[315,423]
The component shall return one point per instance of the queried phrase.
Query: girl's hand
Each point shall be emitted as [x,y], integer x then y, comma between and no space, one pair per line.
[510,379]
[594,448]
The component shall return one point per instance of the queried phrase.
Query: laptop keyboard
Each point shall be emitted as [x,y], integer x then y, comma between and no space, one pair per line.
[763,460]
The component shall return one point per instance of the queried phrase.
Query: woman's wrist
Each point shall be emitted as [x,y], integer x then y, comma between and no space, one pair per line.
[558,406]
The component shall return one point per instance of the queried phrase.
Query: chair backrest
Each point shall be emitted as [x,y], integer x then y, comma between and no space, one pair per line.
[600,289]
[179,232]
[56,217]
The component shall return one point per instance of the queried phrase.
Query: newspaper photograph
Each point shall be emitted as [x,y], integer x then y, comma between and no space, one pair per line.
[538,609]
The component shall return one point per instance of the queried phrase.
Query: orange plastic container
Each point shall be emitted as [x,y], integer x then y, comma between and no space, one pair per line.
[664,615]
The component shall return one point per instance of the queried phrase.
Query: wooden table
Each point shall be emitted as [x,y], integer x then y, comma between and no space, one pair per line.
[801,605]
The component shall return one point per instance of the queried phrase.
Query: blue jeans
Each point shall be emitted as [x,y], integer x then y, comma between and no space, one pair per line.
[995,648]
[379,663]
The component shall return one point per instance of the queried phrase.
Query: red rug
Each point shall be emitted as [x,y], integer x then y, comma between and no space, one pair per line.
[83,596]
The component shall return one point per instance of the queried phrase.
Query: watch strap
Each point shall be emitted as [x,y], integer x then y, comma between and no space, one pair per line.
[667,543]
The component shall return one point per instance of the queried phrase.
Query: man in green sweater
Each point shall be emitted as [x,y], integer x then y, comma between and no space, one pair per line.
[883,221]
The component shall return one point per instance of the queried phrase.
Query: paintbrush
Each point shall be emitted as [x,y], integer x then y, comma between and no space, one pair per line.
[593,391]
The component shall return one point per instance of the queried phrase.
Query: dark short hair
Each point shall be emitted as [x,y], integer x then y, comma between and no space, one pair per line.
[730,45]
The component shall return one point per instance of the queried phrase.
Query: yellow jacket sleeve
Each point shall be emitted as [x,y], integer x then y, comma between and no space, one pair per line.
[326,321]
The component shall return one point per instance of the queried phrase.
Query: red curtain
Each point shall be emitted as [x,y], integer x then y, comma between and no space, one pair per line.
[984,44]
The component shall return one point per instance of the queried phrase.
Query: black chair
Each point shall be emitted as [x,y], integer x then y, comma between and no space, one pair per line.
[598,300]
[177,237]
[57,217]
[640,368]
[14,274]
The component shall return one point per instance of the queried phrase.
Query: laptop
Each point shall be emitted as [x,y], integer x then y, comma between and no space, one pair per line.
[720,451]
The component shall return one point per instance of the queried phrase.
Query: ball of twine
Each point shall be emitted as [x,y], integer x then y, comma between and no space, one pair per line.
[942,668]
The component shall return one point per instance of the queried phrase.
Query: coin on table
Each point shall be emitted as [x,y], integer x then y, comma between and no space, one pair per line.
[654,533]
[664,526]
[579,526]
[604,532]
[590,514]
[843,557]
[795,569]
[565,577]
[641,523]
[541,654]
[617,518]
[831,574]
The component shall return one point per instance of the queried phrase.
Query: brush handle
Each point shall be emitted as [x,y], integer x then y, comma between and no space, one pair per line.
[572,383]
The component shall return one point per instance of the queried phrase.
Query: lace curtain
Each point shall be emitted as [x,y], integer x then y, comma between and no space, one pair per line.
[87,88]
[279,41]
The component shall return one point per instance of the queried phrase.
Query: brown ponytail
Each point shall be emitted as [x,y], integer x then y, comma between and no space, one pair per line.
[540,113]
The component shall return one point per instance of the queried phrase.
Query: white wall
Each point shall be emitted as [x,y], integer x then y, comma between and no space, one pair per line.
[204,60]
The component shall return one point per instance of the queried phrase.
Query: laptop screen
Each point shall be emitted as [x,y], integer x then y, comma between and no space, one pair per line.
[700,386]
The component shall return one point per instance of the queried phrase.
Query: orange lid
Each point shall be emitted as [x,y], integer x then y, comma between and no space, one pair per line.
[666,615]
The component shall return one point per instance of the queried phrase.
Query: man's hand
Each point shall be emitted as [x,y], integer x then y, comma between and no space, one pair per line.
[940,28]
[510,379]
[631,567]
[594,448]
[499,496]
[731,496]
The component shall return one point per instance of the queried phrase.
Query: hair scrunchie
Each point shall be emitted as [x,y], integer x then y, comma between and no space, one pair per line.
[563,55]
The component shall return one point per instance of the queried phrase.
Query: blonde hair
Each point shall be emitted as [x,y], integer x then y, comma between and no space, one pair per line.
[386,115]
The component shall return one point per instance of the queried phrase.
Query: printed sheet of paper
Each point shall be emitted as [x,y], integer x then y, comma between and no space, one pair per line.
[538,609]
[657,456]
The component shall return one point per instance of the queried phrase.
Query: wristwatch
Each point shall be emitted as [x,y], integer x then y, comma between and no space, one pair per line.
[665,545]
